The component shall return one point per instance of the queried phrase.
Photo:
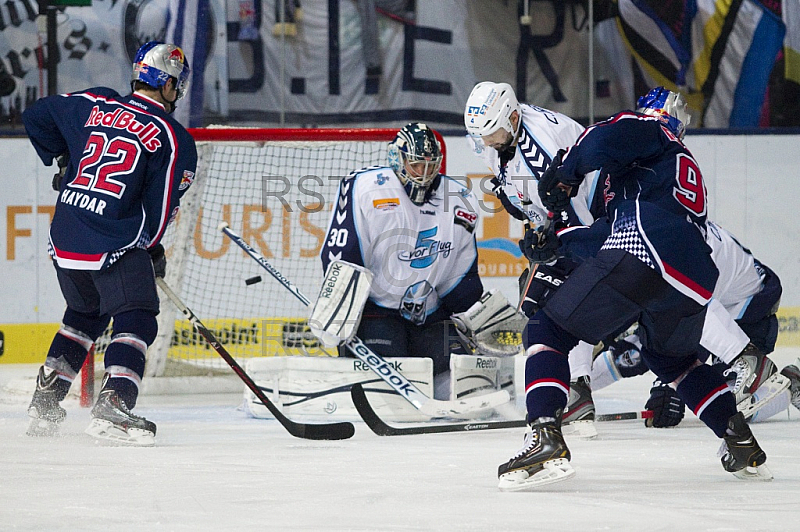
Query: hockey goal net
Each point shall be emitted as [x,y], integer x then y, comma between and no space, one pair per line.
[276,188]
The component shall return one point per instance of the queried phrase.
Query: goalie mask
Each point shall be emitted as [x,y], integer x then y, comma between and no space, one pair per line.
[156,62]
[669,107]
[415,155]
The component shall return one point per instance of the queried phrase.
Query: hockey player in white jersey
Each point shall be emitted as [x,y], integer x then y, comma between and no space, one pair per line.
[518,142]
[412,229]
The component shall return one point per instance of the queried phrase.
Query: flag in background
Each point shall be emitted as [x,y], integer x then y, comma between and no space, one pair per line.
[791,45]
[719,54]
[188,27]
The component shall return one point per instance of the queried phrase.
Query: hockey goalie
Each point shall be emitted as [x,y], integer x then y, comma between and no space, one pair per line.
[401,265]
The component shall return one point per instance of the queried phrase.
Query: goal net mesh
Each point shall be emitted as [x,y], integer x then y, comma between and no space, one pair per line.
[278,195]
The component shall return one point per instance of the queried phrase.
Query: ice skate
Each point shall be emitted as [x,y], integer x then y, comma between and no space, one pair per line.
[45,413]
[740,452]
[579,414]
[543,459]
[111,420]
[749,370]
[792,372]
[767,400]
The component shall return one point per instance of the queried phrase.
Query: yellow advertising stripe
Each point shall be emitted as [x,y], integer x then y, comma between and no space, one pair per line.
[28,343]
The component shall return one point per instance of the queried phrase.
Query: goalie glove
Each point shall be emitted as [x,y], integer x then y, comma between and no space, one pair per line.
[337,312]
[491,326]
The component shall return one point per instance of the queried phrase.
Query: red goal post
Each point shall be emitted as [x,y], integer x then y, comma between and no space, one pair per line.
[236,166]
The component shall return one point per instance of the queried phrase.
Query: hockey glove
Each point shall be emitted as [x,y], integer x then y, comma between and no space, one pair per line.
[554,198]
[539,246]
[159,260]
[667,407]
[62,161]
[538,287]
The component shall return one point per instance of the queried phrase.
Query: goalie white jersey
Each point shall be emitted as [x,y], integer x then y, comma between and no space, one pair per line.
[419,255]
[542,134]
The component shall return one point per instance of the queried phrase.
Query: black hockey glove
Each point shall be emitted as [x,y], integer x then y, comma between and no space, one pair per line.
[62,161]
[540,246]
[540,287]
[159,260]
[554,199]
[667,407]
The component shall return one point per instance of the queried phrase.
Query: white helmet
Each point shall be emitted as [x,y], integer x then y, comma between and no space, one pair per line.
[489,108]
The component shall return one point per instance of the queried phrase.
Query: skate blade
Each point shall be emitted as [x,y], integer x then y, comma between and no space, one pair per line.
[554,471]
[105,430]
[584,429]
[761,473]
[765,393]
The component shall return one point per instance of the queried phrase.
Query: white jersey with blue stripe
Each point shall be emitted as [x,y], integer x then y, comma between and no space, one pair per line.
[739,278]
[418,254]
[543,133]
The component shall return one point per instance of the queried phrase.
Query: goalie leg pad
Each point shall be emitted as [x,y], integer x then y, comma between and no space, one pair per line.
[338,309]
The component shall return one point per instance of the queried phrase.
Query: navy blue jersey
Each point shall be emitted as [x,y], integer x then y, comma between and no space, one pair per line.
[129,164]
[640,160]
[654,196]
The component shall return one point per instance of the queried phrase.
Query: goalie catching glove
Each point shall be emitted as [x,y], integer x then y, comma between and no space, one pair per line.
[491,326]
[337,312]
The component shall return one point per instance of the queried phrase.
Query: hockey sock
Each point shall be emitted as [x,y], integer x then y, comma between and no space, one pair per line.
[134,331]
[705,391]
[73,341]
[68,351]
[546,382]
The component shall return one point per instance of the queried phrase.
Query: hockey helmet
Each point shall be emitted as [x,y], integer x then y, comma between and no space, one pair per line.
[489,108]
[415,155]
[156,62]
[669,107]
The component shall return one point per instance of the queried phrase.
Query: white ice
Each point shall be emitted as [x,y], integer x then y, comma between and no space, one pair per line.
[214,468]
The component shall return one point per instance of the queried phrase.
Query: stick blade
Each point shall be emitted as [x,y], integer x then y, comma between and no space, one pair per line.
[333,431]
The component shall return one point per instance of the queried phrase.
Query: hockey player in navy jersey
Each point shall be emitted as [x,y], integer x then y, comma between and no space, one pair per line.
[654,268]
[125,163]
[410,231]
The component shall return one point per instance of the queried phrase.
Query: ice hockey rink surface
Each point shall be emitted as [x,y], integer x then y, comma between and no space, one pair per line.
[216,468]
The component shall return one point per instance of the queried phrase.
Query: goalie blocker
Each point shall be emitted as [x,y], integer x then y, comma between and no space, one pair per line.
[337,312]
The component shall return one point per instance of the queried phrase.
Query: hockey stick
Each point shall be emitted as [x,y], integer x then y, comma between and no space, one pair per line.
[395,379]
[331,431]
[381,428]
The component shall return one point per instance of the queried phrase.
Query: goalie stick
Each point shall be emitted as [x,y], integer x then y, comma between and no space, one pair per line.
[330,431]
[381,428]
[461,408]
